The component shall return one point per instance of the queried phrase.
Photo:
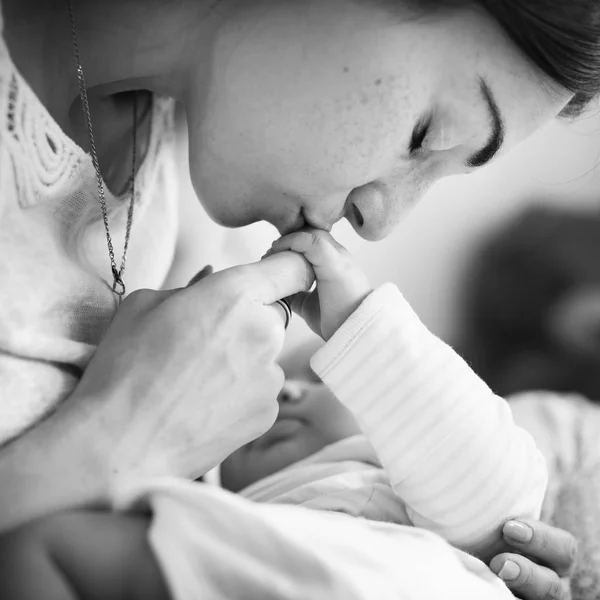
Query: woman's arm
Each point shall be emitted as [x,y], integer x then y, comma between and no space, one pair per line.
[55,465]
[82,555]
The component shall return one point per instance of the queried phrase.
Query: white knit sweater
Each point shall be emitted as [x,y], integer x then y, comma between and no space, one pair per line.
[54,266]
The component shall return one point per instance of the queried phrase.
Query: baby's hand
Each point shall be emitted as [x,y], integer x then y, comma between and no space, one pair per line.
[341,283]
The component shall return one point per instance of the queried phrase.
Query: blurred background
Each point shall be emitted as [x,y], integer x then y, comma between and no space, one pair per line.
[503,264]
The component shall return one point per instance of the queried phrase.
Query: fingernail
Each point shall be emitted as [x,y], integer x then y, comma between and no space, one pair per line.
[518,531]
[510,571]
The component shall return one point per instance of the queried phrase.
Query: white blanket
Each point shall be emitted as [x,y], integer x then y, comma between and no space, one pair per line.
[214,545]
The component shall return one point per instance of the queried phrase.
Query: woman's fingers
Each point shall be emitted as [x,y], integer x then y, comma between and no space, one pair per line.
[553,547]
[274,277]
[527,580]
[284,312]
[146,299]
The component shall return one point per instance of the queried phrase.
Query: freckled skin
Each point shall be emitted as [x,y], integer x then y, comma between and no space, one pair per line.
[312,106]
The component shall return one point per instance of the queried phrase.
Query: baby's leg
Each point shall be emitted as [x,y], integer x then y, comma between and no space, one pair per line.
[80,554]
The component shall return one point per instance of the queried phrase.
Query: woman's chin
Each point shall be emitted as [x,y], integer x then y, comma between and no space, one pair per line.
[229,219]
[240,212]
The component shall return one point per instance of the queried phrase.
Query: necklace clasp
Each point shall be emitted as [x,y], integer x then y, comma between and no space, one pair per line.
[118,284]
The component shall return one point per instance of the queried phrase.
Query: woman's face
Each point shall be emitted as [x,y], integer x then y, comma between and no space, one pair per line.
[312,109]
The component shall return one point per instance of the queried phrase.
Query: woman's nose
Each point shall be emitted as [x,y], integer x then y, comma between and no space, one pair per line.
[375,209]
[292,391]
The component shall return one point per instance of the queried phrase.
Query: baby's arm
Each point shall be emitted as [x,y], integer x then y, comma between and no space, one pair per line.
[449,445]
[80,555]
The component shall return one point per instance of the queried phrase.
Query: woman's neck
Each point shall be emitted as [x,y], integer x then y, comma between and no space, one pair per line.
[125,45]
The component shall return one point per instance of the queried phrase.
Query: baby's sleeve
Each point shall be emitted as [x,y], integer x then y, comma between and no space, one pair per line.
[448,444]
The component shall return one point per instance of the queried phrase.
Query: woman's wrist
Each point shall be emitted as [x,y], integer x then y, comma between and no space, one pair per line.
[56,465]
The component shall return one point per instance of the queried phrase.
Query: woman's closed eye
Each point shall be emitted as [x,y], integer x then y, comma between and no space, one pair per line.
[418,136]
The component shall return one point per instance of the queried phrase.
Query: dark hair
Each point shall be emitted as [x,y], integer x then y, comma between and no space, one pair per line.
[561,37]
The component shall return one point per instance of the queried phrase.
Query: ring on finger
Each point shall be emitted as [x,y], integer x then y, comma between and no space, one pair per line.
[287,310]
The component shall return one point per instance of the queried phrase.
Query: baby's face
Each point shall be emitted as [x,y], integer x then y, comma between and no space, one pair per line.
[309,419]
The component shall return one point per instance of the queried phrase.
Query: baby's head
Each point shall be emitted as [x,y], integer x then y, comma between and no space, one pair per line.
[309,419]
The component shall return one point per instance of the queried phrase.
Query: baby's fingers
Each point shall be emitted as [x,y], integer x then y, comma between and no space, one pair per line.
[317,246]
[307,306]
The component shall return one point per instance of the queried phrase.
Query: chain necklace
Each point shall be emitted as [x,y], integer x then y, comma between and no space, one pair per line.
[118,273]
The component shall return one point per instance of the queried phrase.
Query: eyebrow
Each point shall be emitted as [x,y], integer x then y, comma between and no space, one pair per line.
[493,145]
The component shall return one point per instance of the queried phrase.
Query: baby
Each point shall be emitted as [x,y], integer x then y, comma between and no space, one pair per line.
[310,418]
[403,431]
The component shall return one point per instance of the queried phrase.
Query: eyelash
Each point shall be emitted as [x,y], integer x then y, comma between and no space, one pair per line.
[418,137]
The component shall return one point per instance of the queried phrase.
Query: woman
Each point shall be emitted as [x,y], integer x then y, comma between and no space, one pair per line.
[298,114]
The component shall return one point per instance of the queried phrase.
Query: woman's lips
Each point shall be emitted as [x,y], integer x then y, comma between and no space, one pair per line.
[303,220]
[289,226]
[326,224]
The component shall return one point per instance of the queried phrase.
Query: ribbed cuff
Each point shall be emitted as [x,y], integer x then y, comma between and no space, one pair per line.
[386,298]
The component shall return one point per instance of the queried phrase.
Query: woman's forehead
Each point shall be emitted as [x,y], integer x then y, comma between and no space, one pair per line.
[362,42]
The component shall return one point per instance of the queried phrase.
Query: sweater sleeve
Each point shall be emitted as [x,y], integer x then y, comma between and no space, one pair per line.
[449,445]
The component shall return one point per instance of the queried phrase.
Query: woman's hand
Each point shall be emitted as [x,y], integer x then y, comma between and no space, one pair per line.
[341,284]
[543,555]
[182,379]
